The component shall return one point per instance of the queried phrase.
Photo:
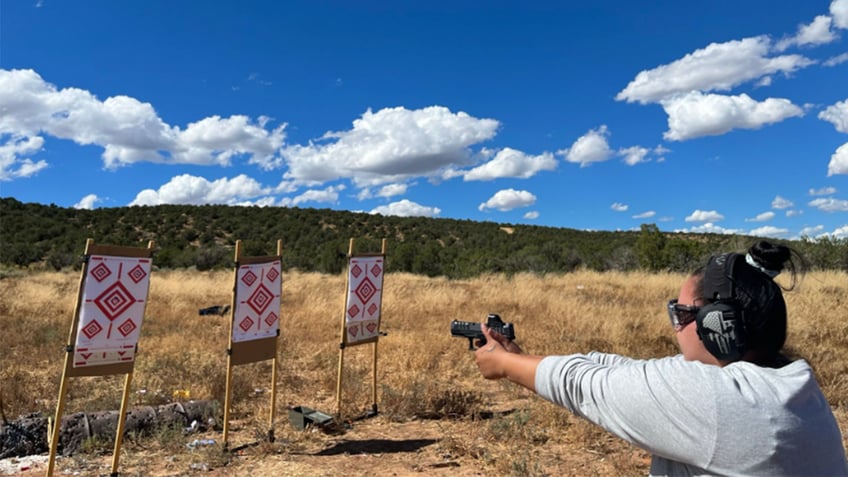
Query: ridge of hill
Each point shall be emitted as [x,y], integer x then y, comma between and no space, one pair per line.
[202,236]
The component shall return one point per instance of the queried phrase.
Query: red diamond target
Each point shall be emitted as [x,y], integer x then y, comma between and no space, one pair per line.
[249,278]
[246,323]
[137,274]
[353,311]
[270,319]
[91,330]
[356,270]
[372,309]
[100,272]
[114,300]
[376,270]
[260,299]
[273,274]
[127,327]
[366,290]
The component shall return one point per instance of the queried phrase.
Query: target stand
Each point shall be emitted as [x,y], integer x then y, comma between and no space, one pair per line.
[103,339]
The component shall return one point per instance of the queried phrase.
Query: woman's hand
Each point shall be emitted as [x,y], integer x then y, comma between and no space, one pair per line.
[490,357]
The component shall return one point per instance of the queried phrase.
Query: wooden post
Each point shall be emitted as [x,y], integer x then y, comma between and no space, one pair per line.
[274,364]
[343,335]
[228,390]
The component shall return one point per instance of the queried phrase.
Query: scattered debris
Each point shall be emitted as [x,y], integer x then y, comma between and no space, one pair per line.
[219,310]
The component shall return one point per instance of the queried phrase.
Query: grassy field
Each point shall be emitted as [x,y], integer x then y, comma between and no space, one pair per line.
[425,377]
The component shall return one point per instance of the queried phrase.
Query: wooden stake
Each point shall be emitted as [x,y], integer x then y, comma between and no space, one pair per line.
[229,384]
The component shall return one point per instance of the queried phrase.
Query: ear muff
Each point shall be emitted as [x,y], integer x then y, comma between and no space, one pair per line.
[719,326]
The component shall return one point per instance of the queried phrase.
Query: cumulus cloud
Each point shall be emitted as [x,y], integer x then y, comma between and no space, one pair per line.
[836,114]
[829,204]
[711,228]
[188,189]
[634,155]
[769,231]
[87,202]
[645,215]
[818,32]
[390,145]
[838,161]
[509,162]
[127,129]
[839,12]
[811,231]
[780,203]
[704,216]
[508,199]
[764,217]
[532,215]
[619,207]
[696,114]
[823,191]
[13,164]
[407,208]
[589,148]
[718,67]
[841,232]
[327,195]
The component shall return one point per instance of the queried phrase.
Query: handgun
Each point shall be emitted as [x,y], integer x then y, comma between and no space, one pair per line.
[472,331]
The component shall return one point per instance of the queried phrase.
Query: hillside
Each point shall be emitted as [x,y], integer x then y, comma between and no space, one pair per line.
[40,236]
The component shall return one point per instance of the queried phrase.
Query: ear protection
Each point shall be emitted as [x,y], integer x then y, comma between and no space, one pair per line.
[720,324]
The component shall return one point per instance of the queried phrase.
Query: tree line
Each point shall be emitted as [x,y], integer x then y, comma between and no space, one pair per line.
[37,236]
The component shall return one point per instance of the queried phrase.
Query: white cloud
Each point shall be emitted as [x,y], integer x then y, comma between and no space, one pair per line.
[823,191]
[619,207]
[718,67]
[328,195]
[696,114]
[838,161]
[811,231]
[839,12]
[837,114]
[704,216]
[87,202]
[764,217]
[508,199]
[390,145]
[793,213]
[829,204]
[780,203]
[12,163]
[589,148]
[127,129]
[645,215]
[836,60]
[509,162]
[841,232]
[768,231]
[406,208]
[710,228]
[818,32]
[532,215]
[634,155]
[188,189]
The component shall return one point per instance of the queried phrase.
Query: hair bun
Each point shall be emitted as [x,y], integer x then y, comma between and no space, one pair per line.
[768,257]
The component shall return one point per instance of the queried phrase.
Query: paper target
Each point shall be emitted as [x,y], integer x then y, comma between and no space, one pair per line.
[364,298]
[257,311]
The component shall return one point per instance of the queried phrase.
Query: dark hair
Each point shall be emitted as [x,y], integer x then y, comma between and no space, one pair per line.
[759,296]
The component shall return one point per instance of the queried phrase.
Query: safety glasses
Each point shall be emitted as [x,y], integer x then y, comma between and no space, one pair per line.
[681,315]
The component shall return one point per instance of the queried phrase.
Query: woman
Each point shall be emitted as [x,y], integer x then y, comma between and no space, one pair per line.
[729,404]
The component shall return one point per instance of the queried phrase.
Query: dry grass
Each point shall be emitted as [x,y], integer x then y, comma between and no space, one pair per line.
[423,372]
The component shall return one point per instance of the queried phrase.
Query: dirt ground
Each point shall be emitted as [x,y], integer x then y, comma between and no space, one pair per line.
[368,447]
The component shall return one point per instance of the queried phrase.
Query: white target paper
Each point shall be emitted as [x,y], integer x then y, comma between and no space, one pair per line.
[114,298]
[364,298]
[258,291]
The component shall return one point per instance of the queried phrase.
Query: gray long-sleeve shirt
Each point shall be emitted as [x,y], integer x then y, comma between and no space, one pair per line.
[700,419]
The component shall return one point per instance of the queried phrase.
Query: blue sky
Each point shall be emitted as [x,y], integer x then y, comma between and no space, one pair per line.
[720,116]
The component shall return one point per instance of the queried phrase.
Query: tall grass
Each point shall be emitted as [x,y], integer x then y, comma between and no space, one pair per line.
[422,371]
